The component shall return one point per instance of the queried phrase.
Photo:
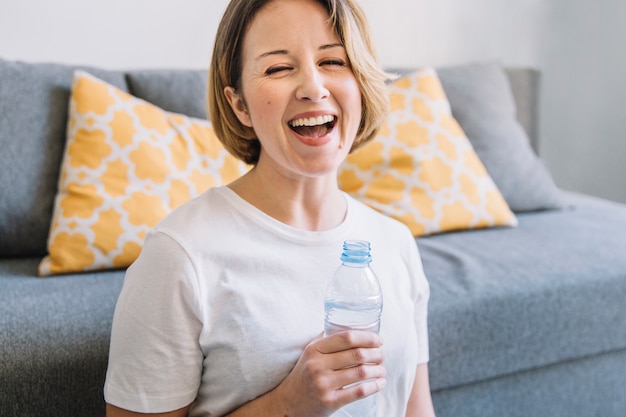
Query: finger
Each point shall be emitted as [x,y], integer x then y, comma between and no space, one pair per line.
[356,374]
[348,340]
[357,391]
[354,357]
[354,365]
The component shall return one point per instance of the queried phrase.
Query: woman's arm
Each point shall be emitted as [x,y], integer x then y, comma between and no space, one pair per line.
[420,402]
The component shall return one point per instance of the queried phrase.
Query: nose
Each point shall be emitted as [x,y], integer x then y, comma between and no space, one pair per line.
[311,85]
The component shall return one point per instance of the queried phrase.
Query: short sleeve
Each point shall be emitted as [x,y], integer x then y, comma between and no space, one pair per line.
[422,297]
[155,360]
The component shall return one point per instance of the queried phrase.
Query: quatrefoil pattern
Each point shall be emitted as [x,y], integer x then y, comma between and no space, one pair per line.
[422,169]
[127,164]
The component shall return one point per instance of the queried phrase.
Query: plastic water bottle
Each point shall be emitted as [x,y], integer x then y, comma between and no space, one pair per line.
[354,301]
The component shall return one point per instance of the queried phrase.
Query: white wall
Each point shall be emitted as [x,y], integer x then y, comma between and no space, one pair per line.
[579,46]
[148,33]
[584,103]
[110,33]
[427,32]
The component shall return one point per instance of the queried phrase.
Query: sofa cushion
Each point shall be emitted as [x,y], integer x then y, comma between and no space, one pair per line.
[549,291]
[421,169]
[127,164]
[482,101]
[526,88]
[178,91]
[55,340]
[590,386]
[33,109]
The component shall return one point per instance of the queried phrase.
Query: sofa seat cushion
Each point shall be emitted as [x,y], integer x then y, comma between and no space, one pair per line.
[55,340]
[548,291]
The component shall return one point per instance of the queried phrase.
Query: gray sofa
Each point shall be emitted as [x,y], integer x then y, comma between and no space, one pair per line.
[524,321]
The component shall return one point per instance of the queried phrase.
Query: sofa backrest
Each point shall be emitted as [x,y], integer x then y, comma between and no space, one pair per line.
[33,117]
[525,84]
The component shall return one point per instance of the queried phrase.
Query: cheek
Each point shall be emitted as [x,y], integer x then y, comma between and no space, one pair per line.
[260,106]
[353,101]
[353,94]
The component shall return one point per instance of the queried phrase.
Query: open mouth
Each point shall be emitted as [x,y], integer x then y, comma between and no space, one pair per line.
[313,127]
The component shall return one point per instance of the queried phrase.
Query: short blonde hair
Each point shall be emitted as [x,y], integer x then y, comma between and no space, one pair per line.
[351,27]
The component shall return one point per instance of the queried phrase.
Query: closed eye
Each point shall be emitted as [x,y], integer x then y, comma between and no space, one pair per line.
[333,62]
[276,70]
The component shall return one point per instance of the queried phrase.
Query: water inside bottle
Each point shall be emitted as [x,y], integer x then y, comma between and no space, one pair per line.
[342,316]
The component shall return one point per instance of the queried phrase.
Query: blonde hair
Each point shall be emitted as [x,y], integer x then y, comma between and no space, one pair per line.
[350,24]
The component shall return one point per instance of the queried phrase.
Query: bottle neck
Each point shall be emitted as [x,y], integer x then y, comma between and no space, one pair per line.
[356,253]
[354,264]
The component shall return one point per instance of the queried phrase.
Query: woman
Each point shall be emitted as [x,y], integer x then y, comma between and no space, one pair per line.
[222,312]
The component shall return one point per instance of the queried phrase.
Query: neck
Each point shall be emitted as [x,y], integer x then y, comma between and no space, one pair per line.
[313,204]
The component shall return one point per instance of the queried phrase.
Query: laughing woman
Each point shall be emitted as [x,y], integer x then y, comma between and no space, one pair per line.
[222,312]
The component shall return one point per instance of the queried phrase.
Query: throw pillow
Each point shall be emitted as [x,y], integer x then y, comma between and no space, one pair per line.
[422,169]
[127,164]
[33,118]
[482,102]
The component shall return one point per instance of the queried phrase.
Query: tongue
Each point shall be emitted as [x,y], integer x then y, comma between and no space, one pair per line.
[312,131]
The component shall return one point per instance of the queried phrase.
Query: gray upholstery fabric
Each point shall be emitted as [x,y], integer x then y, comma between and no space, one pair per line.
[33,117]
[526,86]
[523,321]
[178,91]
[512,299]
[482,102]
[54,340]
[592,386]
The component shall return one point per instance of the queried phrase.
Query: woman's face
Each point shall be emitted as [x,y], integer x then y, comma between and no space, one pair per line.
[298,91]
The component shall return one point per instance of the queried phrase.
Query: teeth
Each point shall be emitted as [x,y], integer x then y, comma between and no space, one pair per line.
[312,121]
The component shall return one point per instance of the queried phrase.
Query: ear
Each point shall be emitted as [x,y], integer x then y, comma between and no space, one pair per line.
[238,105]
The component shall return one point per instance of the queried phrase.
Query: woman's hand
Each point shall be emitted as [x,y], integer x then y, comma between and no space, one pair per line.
[316,385]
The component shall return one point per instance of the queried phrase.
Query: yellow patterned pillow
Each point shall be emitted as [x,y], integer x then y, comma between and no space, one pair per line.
[127,164]
[422,169]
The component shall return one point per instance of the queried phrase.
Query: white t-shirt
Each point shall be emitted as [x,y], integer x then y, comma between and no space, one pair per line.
[223,298]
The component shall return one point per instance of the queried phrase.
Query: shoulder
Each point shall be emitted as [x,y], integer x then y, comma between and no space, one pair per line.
[190,227]
[212,201]
[204,214]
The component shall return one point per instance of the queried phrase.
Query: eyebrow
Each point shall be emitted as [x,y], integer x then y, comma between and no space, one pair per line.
[285,52]
[331,45]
